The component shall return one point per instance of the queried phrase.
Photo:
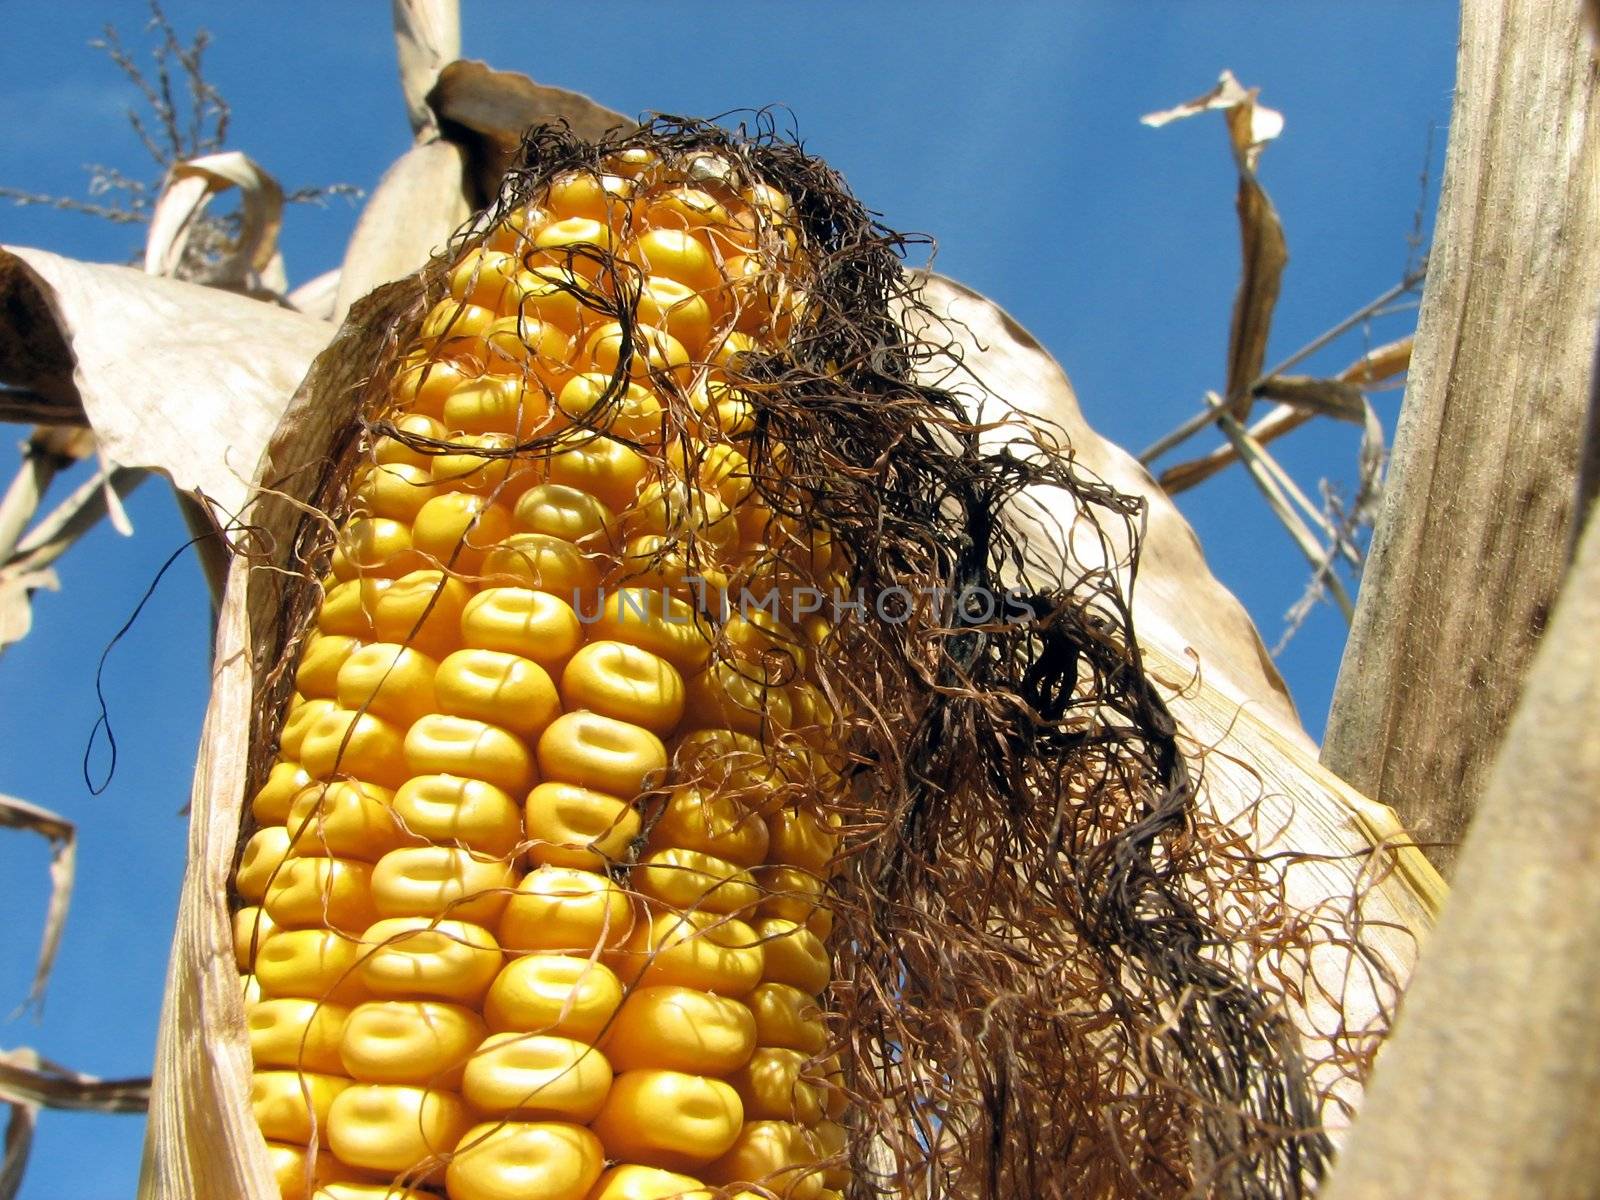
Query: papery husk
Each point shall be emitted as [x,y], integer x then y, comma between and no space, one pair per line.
[1347,910]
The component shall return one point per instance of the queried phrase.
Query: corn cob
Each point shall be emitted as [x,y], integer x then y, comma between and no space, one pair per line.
[536,902]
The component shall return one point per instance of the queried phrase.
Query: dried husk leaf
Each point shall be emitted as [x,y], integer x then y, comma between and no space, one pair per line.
[254,266]
[173,377]
[427,35]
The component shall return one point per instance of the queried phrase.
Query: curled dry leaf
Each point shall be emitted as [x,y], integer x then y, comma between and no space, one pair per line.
[427,35]
[172,376]
[1265,252]
[253,265]
[63,838]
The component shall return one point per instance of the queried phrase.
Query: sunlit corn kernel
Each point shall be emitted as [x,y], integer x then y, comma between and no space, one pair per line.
[424,380]
[572,826]
[297,1173]
[395,1128]
[345,744]
[440,744]
[451,809]
[642,351]
[792,954]
[413,429]
[320,893]
[538,354]
[515,234]
[514,693]
[601,466]
[425,1043]
[347,607]
[458,529]
[634,1182]
[251,925]
[586,194]
[380,546]
[680,1029]
[318,964]
[395,490]
[537,1077]
[602,753]
[677,309]
[743,696]
[317,676]
[502,403]
[422,957]
[388,680]
[293,1031]
[263,857]
[581,245]
[710,821]
[622,681]
[476,467]
[555,994]
[284,782]
[564,512]
[668,1118]
[726,409]
[677,254]
[441,881]
[689,879]
[423,610]
[565,910]
[598,400]
[677,509]
[778,1153]
[292,1106]
[831,1144]
[559,297]
[343,819]
[485,277]
[544,563]
[452,318]
[656,621]
[803,837]
[523,621]
[701,950]
[771,1087]
[791,893]
[501,1160]
[786,1016]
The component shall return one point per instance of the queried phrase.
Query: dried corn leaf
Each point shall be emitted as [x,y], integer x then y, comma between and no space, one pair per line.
[173,377]
[253,265]
[63,838]
[427,35]
[1265,252]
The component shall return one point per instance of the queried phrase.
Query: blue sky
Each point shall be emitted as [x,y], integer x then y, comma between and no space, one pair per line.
[1009,134]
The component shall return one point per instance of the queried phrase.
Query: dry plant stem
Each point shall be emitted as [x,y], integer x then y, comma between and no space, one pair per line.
[72,518]
[63,838]
[29,1083]
[1487,1089]
[1476,522]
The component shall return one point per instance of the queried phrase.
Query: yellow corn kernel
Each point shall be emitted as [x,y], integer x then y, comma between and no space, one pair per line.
[457,530]
[393,490]
[677,254]
[515,234]
[535,625]
[504,1160]
[786,1016]
[251,925]
[263,857]
[295,1173]
[633,1182]
[321,893]
[440,744]
[677,509]
[668,1119]
[792,893]
[452,319]
[779,1154]
[678,310]
[557,296]
[433,959]
[317,964]
[300,719]
[284,782]
[803,838]
[414,429]
[793,955]
[601,466]
[619,680]
[702,950]
[346,744]
[421,1042]
[292,1106]
[537,560]
[585,194]
[653,355]
[576,244]
[317,677]
[423,610]
[388,680]
[565,910]
[451,809]
[571,826]
[379,546]
[558,511]
[690,879]
[831,1143]
[741,696]
[290,1031]
[441,881]
[680,1029]
[394,1128]
[497,404]
[657,621]
[472,468]
[512,692]
[486,277]
[598,400]
[771,1087]
[537,1077]
[343,1190]
[554,994]
[600,752]
[343,820]
[712,822]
